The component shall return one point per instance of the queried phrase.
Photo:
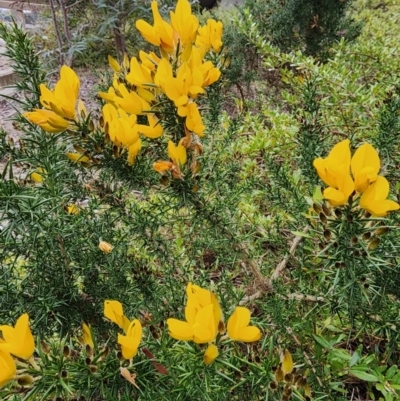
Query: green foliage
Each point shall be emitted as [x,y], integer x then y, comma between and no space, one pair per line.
[312,26]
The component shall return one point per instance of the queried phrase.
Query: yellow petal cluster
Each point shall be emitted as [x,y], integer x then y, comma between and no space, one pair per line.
[133,329]
[364,165]
[18,342]
[179,74]
[59,104]
[203,316]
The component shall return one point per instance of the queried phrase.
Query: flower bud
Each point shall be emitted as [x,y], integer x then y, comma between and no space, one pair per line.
[64,374]
[89,350]
[338,213]
[105,246]
[273,385]
[326,209]
[105,352]
[66,351]
[327,234]
[381,230]
[288,378]
[366,236]
[279,374]
[317,208]
[25,380]
[93,368]
[45,347]
[374,244]
[323,218]
[353,240]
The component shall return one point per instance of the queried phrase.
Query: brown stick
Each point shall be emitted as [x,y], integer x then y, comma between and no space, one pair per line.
[59,40]
[281,267]
[266,283]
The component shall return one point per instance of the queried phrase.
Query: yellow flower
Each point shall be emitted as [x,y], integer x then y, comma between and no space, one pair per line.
[153,130]
[129,101]
[335,172]
[160,34]
[238,326]
[38,175]
[63,100]
[208,36]
[108,96]
[202,314]
[178,156]
[287,363]
[114,64]
[365,166]
[18,340]
[73,209]
[133,151]
[105,246]
[162,166]
[149,60]
[48,120]
[8,368]
[177,153]
[77,157]
[130,342]
[206,72]
[138,75]
[374,198]
[184,22]
[194,122]
[87,335]
[211,354]
[113,310]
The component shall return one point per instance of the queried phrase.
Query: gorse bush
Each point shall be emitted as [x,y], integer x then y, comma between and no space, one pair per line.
[312,26]
[157,248]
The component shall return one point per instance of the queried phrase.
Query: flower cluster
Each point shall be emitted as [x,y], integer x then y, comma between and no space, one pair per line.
[345,175]
[203,325]
[204,321]
[18,342]
[133,329]
[144,86]
[151,95]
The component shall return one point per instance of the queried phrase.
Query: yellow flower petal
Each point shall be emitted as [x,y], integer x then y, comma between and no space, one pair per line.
[365,166]
[8,368]
[177,153]
[130,342]
[238,326]
[374,198]
[287,363]
[113,311]
[180,330]
[211,354]
[87,335]
[18,340]
[114,64]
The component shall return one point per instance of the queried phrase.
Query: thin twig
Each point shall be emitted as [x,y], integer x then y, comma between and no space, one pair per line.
[281,267]
[295,295]
[266,283]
